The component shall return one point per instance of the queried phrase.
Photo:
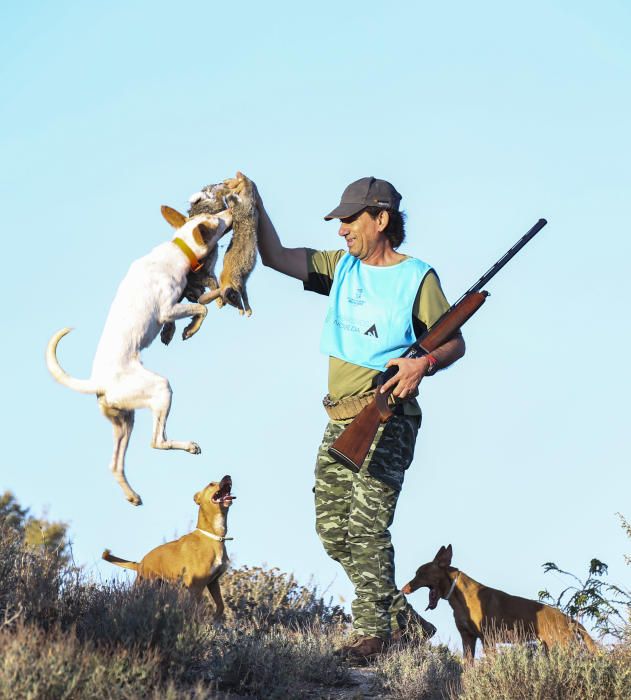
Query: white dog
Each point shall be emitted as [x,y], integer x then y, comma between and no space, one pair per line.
[147,297]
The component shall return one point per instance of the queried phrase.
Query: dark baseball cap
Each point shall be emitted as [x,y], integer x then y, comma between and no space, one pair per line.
[367,192]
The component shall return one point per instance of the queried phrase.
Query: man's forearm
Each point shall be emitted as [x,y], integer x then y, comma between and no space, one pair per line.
[289,261]
[268,240]
[447,353]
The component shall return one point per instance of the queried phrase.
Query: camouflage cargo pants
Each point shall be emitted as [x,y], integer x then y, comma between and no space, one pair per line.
[353,514]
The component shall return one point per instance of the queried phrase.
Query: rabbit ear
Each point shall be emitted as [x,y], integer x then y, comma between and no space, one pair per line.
[173,216]
[194,198]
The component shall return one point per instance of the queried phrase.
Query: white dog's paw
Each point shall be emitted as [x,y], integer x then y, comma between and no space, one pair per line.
[194,448]
[167,332]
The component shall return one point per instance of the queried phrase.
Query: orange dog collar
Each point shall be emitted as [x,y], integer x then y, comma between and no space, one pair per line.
[192,258]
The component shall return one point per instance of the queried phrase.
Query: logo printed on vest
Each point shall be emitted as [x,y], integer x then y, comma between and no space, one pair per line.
[359,297]
[372,331]
[346,325]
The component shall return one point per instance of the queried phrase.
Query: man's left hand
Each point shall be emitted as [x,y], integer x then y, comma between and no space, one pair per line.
[407,379]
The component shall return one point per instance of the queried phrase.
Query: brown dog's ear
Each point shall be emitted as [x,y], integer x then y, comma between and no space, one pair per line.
[173,216]
[198,498]
[443,556]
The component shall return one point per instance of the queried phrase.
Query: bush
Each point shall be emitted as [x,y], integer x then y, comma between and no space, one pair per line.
[281,663]
[521,672]
[419,672]
[36,532]
[270,597]
[62,635]
[36,664]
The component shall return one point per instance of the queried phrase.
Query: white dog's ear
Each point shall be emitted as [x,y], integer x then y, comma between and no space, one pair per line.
[198,498]
[173,217]
[202,233]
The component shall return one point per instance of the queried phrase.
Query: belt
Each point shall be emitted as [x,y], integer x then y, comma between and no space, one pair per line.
[347,408]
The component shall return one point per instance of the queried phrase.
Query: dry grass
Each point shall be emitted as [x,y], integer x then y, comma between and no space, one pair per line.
[521,672]
[38,664]
[64,636]
[419,671]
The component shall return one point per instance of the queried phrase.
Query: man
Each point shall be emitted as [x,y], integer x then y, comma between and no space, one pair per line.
[380,301]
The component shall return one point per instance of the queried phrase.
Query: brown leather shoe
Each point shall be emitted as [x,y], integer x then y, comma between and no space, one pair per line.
[342,651]
[367,648]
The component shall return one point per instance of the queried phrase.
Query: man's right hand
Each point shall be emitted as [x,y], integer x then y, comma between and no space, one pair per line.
[240,183]
[289,261]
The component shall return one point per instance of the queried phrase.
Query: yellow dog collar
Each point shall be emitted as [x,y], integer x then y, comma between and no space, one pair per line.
[192,258]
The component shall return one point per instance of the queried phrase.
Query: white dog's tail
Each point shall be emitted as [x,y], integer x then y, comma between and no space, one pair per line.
[85,386]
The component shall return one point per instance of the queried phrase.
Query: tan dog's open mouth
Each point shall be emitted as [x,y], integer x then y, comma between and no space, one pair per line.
[223,494]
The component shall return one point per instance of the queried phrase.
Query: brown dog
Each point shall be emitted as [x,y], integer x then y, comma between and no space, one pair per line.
[485,613]
[197,559]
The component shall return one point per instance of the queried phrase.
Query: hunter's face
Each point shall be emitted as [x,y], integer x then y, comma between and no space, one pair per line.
[362,233]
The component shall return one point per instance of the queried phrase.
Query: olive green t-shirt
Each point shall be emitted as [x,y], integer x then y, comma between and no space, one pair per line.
[345,378]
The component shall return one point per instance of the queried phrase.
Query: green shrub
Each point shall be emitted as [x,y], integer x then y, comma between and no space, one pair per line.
[36,533]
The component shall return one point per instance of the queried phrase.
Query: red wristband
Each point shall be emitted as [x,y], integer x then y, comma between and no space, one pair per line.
[433,364]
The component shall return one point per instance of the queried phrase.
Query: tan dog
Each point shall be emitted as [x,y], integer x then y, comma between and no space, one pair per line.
[485,613]
[197,559]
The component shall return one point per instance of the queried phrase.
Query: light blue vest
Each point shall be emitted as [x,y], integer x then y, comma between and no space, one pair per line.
[369,320]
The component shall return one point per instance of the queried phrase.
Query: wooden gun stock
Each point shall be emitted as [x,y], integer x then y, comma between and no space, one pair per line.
[353,445]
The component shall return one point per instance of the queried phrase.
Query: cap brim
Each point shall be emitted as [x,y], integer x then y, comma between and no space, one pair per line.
[344,210]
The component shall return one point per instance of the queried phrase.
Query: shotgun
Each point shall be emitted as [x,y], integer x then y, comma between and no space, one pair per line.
[352,446]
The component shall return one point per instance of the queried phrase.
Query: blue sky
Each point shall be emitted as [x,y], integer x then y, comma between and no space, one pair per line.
[485,116]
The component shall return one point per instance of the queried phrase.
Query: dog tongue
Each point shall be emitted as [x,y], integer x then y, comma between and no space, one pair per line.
[433,599]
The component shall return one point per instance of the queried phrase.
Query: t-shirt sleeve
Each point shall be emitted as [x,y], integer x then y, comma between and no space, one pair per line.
[321,266]
[430,303]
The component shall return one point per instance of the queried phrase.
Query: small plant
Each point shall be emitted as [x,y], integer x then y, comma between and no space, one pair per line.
[626,526]
[607,606]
